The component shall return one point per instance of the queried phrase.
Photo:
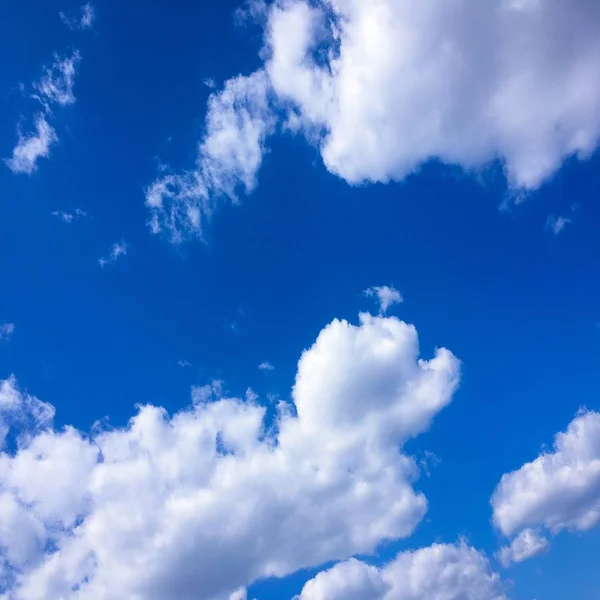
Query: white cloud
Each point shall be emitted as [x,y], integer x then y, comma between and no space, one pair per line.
[6,330]
[69,217]
[383,87]
[527,544]
[56,84]
[30,148]
[200,504]
[229,156]
[118,249]
[438,572]
[557,224]
[84,20]
[558,490]
[388,86]
[266,366]
[386,296]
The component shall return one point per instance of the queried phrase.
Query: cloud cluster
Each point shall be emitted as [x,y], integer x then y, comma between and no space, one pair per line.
[200,504]
[439,572]
[558,490]
[55,88]
[382,87]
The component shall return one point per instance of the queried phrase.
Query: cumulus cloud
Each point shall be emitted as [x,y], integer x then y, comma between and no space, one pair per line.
[558,490]
[382,87]
[6,330]
[30,148]
[118,249]
[386,296]
[84,20]
[238,121]
[56,84]
[200,504]
[527,544]
[441,571]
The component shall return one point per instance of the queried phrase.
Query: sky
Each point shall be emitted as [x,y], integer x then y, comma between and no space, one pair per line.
[301,300]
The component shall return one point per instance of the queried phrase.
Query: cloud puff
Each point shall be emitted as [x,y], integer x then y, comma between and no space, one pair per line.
[527,544]
[382,87]
[558,490]
[56,84]
[84,20]
[118,249]
[69,217]
[200,504]
[386,296]
[6,330]
[557,224]
[30,148]
[229,156]
[441,571]
[266,366]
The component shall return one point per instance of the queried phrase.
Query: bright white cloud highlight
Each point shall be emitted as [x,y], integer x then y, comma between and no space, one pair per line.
[385,295]
[6,330]
[229,156]
[558,490]
[30,148]
[118,249]
[197,505]
[439,572]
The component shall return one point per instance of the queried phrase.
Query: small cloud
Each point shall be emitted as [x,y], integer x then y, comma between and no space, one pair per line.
[30,148]
[6,331]
[184,363]
[119,249]
[84,20]
[209,82]
[557,224]
[266,366]
[385,295]
[527,544]
[429,461]
[56,84]
[66,217]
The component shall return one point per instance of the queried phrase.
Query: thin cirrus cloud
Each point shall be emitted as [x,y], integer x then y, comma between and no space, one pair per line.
[559,490]
[69,217]
[83,20]
[118,249]
[469,83]
[342,481]
[31,147]
[6,331]
[266,366]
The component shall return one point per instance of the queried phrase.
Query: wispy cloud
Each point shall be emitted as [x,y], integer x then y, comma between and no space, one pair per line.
[67,217]
[266,366]
[385,295]
[56,84]
[184,363]
[557,224]
[119,249]
[30,148]
[6,331]
[83,20]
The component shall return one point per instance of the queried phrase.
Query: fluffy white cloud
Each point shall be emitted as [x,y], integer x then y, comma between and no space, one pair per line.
[56,84]
[384,86]
[229,156]
[30,148]
[387,85]
[386,296]
[439,572]
[558,490]
[200,504]
[527,544]
[118,249]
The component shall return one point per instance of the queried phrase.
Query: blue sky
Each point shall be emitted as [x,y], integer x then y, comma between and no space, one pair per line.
[278,198]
